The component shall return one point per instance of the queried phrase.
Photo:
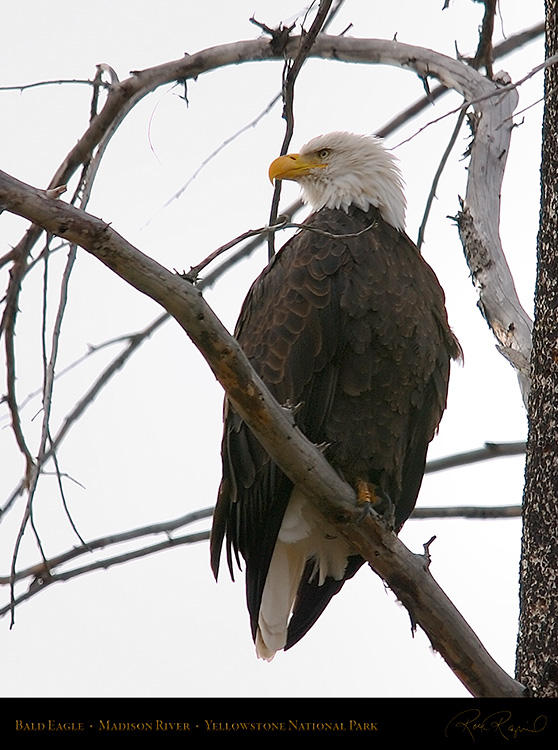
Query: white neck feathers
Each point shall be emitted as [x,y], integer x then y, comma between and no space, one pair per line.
[359,171]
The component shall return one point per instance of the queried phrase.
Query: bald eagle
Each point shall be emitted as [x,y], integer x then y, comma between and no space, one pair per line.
[347,322]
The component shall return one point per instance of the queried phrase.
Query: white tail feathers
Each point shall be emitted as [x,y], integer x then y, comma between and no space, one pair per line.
[283,578]
[304,535]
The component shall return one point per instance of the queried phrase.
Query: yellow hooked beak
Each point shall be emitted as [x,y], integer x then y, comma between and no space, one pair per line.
[293,166]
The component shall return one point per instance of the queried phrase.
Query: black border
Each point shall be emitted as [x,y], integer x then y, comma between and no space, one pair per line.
[465,721]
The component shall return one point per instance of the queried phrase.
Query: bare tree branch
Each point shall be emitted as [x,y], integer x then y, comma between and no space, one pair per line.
[484,56]
[45,572]
[468,511]
[489,451]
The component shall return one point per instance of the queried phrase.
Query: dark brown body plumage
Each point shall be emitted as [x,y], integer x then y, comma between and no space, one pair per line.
[354,331]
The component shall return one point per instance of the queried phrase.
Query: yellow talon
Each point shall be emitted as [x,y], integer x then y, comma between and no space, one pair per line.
[366,493]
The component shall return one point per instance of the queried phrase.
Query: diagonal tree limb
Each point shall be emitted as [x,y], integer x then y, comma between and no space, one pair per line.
[406,573]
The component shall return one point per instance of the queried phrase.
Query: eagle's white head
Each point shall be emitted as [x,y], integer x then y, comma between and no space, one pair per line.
[342,169]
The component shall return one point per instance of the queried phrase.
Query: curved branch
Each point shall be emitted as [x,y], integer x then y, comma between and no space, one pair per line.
[478,220]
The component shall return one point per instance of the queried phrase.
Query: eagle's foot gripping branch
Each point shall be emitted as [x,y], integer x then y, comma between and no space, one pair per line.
[371,498]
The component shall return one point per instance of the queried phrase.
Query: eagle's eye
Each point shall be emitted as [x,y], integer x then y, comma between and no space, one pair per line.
[324,153]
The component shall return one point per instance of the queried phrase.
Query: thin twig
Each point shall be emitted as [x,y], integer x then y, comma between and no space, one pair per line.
[208,159]
[282,223]
[163,527]
[43,573]
[46,579]
[59,82]
[437,176]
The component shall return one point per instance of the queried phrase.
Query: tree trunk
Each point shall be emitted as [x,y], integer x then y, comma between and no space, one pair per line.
[537,651]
